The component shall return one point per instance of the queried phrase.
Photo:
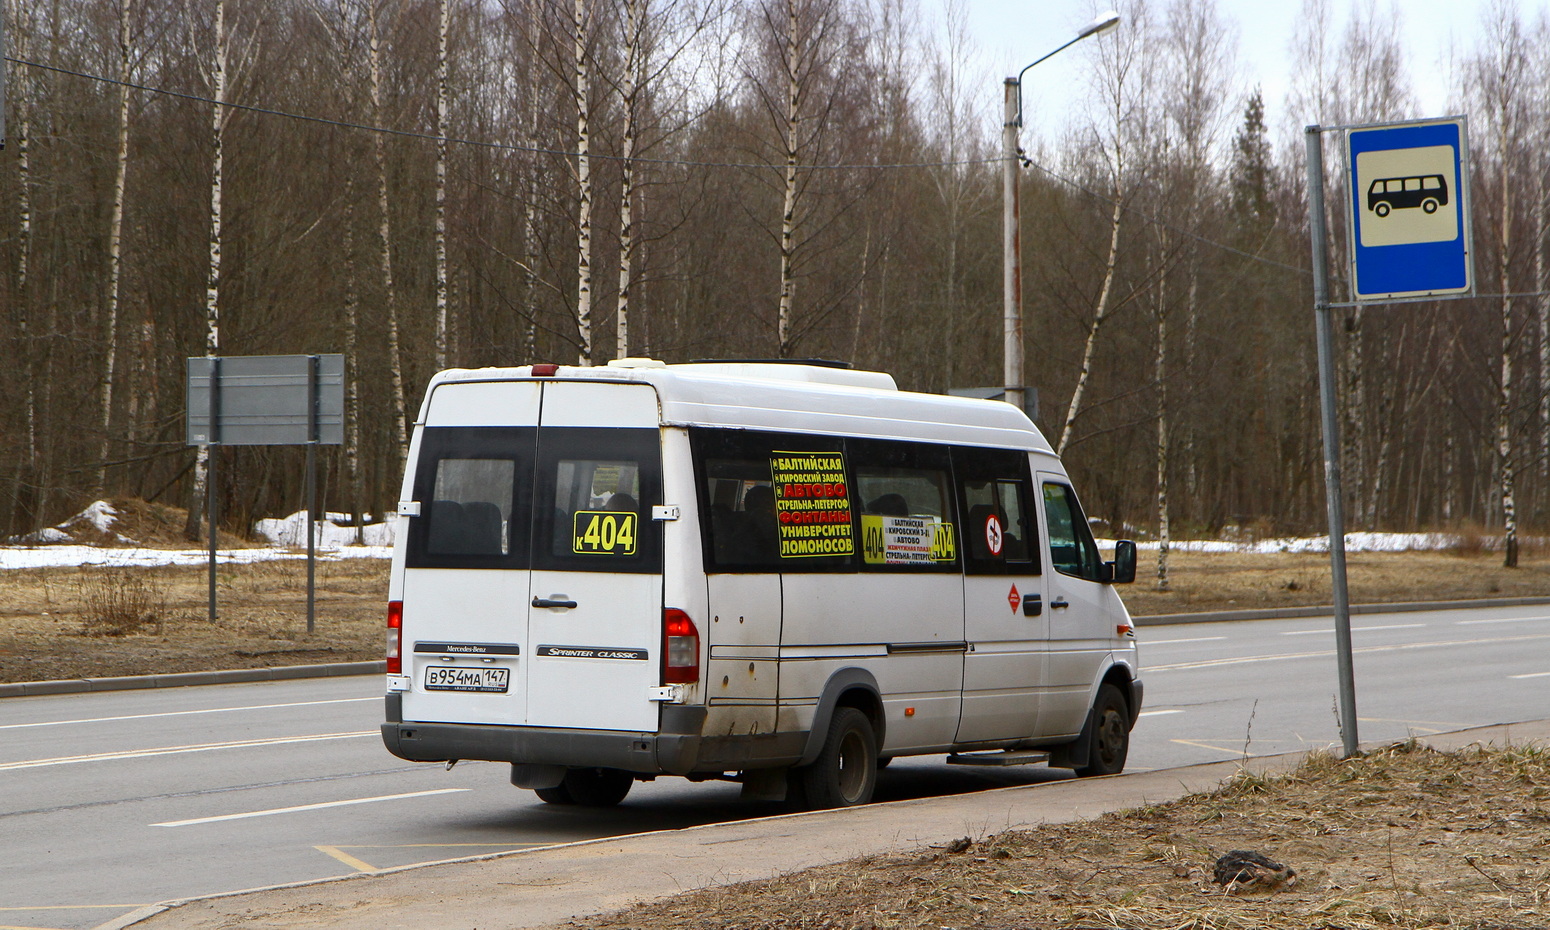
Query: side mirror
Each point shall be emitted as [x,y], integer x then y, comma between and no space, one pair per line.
[1123,569]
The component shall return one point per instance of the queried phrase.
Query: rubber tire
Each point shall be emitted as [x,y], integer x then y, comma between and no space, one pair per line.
[559,794]
[597,787]
[1110,734]
[845,772]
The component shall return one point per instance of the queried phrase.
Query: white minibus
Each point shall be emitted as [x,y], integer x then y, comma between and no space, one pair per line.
[782,574]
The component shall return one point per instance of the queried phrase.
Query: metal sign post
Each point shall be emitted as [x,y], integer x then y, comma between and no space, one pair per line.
[259,400]
[1333,492]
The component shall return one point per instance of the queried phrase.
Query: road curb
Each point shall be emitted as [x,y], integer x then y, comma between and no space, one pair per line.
[185,679]
[292,672]
[348,900]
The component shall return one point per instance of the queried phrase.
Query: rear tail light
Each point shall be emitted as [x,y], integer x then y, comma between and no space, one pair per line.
[680,648]
[545,370]
[395,637]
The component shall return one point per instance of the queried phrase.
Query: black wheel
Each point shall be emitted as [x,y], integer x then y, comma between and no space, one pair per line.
[1111,734]
[1381,209]
[1429,205]
[597,787]
[559,794]
[845,772]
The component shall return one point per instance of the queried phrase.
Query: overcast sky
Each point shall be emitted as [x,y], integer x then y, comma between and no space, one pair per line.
[1011,33]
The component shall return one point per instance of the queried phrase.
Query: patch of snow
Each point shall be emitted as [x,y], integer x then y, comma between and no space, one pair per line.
[100,515]
[337,532]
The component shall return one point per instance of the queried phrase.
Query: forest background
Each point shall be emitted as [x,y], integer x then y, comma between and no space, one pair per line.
[422,184]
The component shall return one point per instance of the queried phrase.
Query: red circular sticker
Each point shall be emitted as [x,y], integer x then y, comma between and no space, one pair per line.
[993,536]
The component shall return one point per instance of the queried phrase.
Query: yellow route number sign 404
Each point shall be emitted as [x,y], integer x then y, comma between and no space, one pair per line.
[603,532]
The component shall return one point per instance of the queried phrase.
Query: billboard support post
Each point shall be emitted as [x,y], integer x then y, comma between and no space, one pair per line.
[260,400]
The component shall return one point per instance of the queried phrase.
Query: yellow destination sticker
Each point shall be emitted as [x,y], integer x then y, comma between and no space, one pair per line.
[812,504]
[889,540]
[603,532]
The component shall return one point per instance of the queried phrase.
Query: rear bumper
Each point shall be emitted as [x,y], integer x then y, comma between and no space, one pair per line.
[673,750]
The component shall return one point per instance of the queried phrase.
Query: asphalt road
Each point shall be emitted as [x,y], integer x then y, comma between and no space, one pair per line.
[111,801]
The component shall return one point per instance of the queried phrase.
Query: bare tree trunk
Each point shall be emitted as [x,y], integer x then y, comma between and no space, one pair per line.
[441,185]
[534,179]
[385,236]
[633,53]
[1504,401]
[352,367]
[1160,376]
[115,247]
[583,187]
[789,202]
[27,514]
[1542,285]
[218,114]
[1099,312]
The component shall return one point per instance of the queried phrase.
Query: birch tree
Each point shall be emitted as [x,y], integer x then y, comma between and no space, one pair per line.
[1500,76]
[18,16]
[115,243]
[219,115]
[1123,76]
[581,93]
[442,21]
[385,226]
[629,93]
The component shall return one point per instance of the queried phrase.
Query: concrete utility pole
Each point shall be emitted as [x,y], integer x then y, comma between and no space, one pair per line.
[1011,239]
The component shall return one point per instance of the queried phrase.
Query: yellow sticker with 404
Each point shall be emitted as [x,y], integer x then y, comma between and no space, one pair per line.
[603,532]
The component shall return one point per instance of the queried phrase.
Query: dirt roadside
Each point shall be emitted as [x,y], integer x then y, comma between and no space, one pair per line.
[93,622]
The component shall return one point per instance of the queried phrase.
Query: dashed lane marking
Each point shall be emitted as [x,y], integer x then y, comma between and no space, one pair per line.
[182,713]
[174,750]
[308,807]
[1328,631]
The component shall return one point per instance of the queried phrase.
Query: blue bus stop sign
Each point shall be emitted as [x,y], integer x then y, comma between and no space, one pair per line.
[1410,231]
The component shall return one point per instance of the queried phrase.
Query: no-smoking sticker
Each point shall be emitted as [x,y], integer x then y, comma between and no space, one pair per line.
[993,534]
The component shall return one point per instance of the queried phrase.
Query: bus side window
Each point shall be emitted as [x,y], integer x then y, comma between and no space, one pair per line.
[1072,549]
[994,489]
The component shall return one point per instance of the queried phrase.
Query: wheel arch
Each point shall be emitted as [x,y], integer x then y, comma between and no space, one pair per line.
[848,687]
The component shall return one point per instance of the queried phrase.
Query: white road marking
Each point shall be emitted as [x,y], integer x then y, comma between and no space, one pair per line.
[1531,675]
[1355,629]
[1159,713]
[1394,647]
[1503,620]
[182,713]
[309,807]
[173,750]
[1193,639]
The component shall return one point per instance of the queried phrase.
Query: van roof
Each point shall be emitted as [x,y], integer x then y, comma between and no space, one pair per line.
[826,400]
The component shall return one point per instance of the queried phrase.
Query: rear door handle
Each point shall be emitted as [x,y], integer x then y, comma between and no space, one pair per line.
[553,602]
[1059,603]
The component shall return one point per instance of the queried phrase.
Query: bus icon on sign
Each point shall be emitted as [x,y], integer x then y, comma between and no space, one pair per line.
[1427,191]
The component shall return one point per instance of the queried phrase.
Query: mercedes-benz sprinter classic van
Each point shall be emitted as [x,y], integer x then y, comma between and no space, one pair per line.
[781,574]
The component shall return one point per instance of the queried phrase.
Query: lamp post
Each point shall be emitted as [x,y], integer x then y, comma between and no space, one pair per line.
[1011,240]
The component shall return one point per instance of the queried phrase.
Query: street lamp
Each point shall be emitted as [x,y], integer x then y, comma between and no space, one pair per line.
[1012,283]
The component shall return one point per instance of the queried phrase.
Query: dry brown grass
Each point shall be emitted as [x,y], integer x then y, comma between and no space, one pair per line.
[43,612]
[1202,581]
[1405,838]
[47,616]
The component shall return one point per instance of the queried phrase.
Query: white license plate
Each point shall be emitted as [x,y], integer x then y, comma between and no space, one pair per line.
[456,678]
